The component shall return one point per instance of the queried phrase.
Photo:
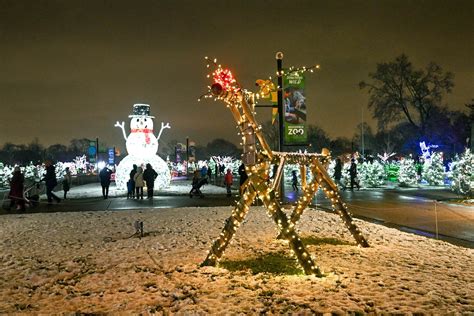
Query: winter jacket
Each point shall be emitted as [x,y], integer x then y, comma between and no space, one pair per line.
[228,179]
[50,177]
[16,185]
[149,176]
[138,178]
[67,181]
[105,175]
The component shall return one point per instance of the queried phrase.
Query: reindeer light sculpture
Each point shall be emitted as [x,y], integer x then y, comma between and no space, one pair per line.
[259,158]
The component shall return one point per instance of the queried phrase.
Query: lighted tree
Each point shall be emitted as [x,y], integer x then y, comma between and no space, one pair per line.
[4,175]
[462,174]
[433,170]
[407,173]
[371,174]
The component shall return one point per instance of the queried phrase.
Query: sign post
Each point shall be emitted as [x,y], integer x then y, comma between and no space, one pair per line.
[279,58]
[294,102]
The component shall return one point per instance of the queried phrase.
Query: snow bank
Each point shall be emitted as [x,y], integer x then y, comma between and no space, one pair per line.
[87,262]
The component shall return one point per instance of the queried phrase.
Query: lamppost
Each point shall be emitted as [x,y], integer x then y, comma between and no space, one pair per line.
[281,116]
[279,58]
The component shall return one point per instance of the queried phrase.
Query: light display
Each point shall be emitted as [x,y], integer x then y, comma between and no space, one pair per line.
[371,174]
[433,170]
[462,174]
[407,172]
[242,104]
[386,156]
[142,146]
[425,150]
[224,78]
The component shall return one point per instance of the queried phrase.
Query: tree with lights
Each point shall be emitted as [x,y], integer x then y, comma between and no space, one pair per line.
[462,174]
[407,173]
[258,158]
[433,170]
[371,174]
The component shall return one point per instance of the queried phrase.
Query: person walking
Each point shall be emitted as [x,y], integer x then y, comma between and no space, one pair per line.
[228,179]
[338,173]
[16,190]
[139,183]
[149,176]
[67,180]
[353,174]
[51,182]
[195,184]
[242,177]
[209,174]
[294,181]
[105,175]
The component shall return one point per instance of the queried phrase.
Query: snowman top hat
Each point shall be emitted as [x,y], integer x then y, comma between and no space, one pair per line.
[140,110]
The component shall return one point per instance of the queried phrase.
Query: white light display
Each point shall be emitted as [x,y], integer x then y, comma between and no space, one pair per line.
[142,146]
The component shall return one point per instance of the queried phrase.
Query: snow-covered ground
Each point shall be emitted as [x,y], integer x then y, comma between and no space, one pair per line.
[87,262]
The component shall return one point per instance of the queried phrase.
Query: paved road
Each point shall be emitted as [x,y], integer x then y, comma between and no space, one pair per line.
[425,212]
[410,210]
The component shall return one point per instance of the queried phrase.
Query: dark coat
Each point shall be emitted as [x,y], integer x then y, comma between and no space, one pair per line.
[50,177]
[132,174]
[338,171]
[149,176]
[105,175]
[353,170]
[242,174]
[16,185]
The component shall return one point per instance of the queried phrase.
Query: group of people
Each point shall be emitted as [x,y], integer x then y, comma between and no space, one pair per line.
[352,174]
[337,176]
[203,177]
[17,187]
[138,179]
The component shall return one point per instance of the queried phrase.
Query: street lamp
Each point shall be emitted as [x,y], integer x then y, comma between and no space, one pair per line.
[279,58]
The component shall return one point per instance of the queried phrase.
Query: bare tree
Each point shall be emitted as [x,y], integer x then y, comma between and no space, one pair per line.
[398,91]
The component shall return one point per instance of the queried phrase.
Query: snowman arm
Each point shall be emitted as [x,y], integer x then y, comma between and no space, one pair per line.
[163,126]
[122,126]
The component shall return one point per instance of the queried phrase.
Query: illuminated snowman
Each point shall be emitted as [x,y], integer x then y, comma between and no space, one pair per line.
[142,147]
[142,140]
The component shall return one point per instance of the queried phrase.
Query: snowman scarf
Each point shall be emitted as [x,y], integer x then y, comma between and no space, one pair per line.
[147,132]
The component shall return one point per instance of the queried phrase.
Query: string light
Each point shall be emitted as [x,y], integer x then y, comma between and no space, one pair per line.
[242,105]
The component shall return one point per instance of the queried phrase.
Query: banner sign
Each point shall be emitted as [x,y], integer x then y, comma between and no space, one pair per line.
[192,151]
[111,156]
[294,107]
[180,152]
[92,151]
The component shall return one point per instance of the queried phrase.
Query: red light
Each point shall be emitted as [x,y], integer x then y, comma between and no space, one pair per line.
[224,78]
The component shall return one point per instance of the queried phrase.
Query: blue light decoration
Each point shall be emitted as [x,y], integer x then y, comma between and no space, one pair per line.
[425,150]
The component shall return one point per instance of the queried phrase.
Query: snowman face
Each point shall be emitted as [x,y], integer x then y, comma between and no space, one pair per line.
[141,122]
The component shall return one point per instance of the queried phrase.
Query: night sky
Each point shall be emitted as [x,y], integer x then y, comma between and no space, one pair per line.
[70,69]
